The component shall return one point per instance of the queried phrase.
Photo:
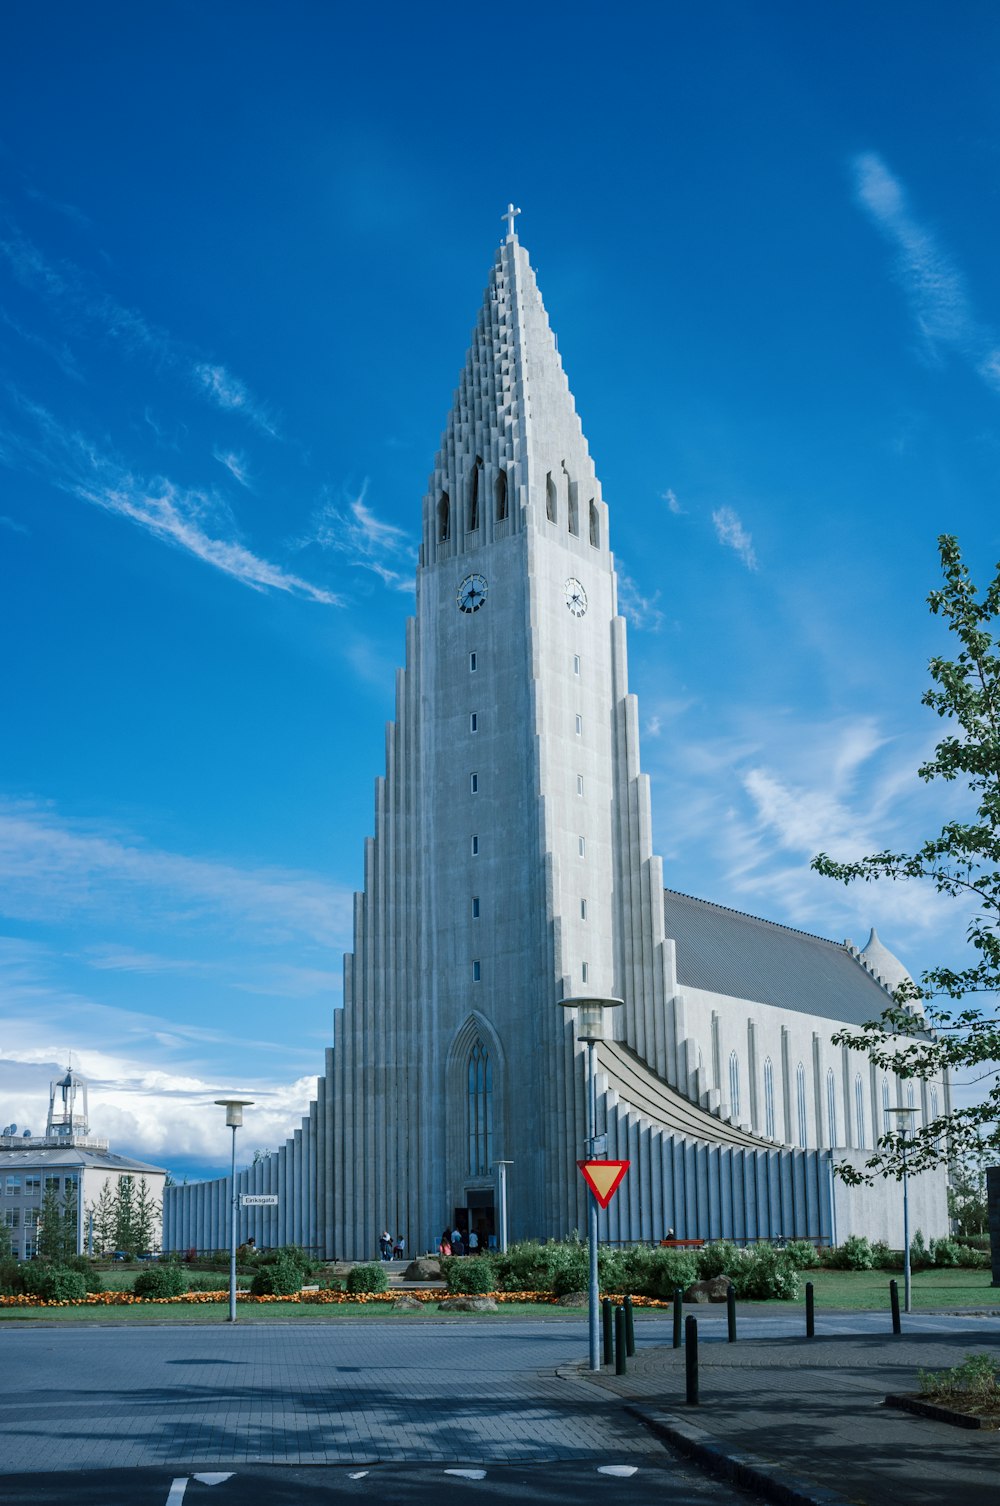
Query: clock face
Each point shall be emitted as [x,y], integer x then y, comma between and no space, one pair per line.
[576,597]
[472,593]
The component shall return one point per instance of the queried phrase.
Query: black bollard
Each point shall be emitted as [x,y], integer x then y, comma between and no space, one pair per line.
[810,1311]
[731,1313]
[678,1315]
[629,1328]
[620,1366]
[691,1359]
[897,1327]
[606,1321]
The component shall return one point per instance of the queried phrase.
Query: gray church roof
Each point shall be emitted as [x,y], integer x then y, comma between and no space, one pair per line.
[727,952]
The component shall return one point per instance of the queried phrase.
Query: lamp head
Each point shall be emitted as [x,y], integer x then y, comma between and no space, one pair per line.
[904,1116]
[234,1110]
[590,1026]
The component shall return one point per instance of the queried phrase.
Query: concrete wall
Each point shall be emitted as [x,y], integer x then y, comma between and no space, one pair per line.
[877,1211]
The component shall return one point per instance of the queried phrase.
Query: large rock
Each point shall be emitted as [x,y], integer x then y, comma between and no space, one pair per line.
[467,1305]
[714,1290]
[407,1303]
[574,1299]
[424,1268]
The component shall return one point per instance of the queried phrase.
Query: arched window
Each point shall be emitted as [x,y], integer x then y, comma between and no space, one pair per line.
[473,522]
[501,495]
[886,1120]
[595,525]
[768,1098]
[910,1103]
[800,1102]
[831,1104]
[480,1111]
[551,509]
[859,1111]
[572,508]
[444,518]
[734,1085]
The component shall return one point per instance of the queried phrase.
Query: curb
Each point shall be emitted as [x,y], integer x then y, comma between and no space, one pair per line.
[733,1464]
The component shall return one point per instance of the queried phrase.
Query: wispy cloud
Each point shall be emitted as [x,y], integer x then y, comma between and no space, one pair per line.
[12,524]
[173,514]
[60,354]
[673,505]
[730,531]
[351,528]
[934,285]
[640,611]
[235,464]
[232,396]
[53,868]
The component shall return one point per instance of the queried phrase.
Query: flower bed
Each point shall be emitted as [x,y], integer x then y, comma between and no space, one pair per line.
[323,1297]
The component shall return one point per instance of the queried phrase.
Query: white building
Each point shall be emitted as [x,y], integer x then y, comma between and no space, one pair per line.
[67,1160]
[511,866]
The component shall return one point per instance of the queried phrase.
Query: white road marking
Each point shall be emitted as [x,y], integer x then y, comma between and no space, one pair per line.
[356,1474]
[212,1479]
[177,1489]
[623,1471]
[467,1474]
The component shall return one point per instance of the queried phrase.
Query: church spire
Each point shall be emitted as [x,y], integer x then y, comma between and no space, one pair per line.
[513,452]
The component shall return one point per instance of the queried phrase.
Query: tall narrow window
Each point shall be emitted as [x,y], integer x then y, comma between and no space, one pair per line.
[768,1098]
[734,1085]
[474,721]
[576,664]
[579,726]
[480,1110]
[859,1111]
[910,1104]
[501,495]
[831,1104]
[475,847]
[477,971]
[572,509]
[582,847]
[550,498]
[444,518]
[579,784]
[595,525]
[473,662]
[585,973]
[473,522]
[475,907]
[800,1102]
[473,784]
[886,1119]
[583,909]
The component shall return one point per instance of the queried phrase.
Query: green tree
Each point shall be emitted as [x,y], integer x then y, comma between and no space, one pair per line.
[146,1214]
[57,1231]
[125,1229]
[103,1214]
[923,1034]
[967,1193]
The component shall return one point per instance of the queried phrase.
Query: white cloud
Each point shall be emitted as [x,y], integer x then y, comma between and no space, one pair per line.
[230,394]
[235,464]
[175,515]
[934,286]
[673,505]
[638,610]
[730,532]
[352,529]
[51,868]
[12,524]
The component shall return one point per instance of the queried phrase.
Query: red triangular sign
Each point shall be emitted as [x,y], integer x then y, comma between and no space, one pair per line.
[603,1178]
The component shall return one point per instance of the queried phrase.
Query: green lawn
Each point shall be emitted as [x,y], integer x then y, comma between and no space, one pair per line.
[870,1289]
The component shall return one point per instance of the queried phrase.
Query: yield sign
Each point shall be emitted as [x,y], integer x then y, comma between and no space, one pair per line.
[603,1178]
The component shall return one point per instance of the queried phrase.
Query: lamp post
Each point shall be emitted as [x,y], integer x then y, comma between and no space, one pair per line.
[590,1028]
[502,1166]
[904,1114]
[234,1118]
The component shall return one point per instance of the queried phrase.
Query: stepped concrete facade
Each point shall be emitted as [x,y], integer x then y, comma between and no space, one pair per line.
[511,867]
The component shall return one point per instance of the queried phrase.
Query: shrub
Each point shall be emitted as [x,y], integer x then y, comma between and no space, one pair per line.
[160,1281]
[283,1278]
[293,1253]
[855,1254]
[370,1277]
[53,1283]
[945,1252]
[527,1267]
[471,1274]
[762,1272]
[976,1260]
[11,1278]
[976,1376]
[717,1259]
[920,1256]
[883,1258]
[204,1281]
[667,1269]
[802,1253]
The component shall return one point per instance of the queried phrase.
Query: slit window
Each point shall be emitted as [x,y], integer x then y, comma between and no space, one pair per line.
[477,971]
[444,518]
[473,784]
[583,909]
[595,525]
[579,726]
[579,784]
[473,519]
[550,498]
[475,847]
[472,663]
[583,846]
[475,907]
[501,495]
[576,664]
[474,721]
[585,972]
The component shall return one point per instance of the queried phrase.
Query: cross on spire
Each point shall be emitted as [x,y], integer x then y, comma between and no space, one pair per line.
[509,216]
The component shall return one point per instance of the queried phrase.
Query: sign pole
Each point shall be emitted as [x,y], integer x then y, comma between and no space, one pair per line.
[595,1296]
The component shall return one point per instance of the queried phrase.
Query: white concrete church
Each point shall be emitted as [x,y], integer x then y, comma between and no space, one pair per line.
[512,867]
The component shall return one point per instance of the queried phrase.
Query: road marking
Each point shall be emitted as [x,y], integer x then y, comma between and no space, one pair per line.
[211,1479]
[356,1474]
[623,1471]
[467,1474]
[175,1496]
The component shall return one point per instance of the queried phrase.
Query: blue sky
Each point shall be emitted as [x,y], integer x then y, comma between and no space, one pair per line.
[241,251]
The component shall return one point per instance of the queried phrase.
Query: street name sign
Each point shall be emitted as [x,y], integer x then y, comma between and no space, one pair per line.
[603,1178]
[259,1200]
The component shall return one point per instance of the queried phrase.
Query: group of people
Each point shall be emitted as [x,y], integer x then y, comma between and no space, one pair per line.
[389,1249]
[462,1242]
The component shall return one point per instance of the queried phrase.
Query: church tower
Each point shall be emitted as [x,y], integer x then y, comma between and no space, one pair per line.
[511,867]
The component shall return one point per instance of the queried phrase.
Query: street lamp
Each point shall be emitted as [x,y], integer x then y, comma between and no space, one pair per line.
[590,1028]
[903,1113]
[502,1165]
[234,1118]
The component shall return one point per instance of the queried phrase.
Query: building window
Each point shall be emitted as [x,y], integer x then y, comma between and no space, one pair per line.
[475,907]
[501,495]
[595,525]
[474,722]
[472,663]
[579,784]
[831,1104]
[572,512]
[477,971]
[444,518]
[859,1110]
[585,973]
[550,498]
[768,1098]
[51,1184]
[32,1185]
[475,847]
[31,1217]
[582,846]
[583,909]
[14,1186]
[800,1102]
[480,1109]
[734,1085]
[12,1218]
[579,726]
[473,784]
[576,664]
[886,1119]
[473,522]
[910,1104]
